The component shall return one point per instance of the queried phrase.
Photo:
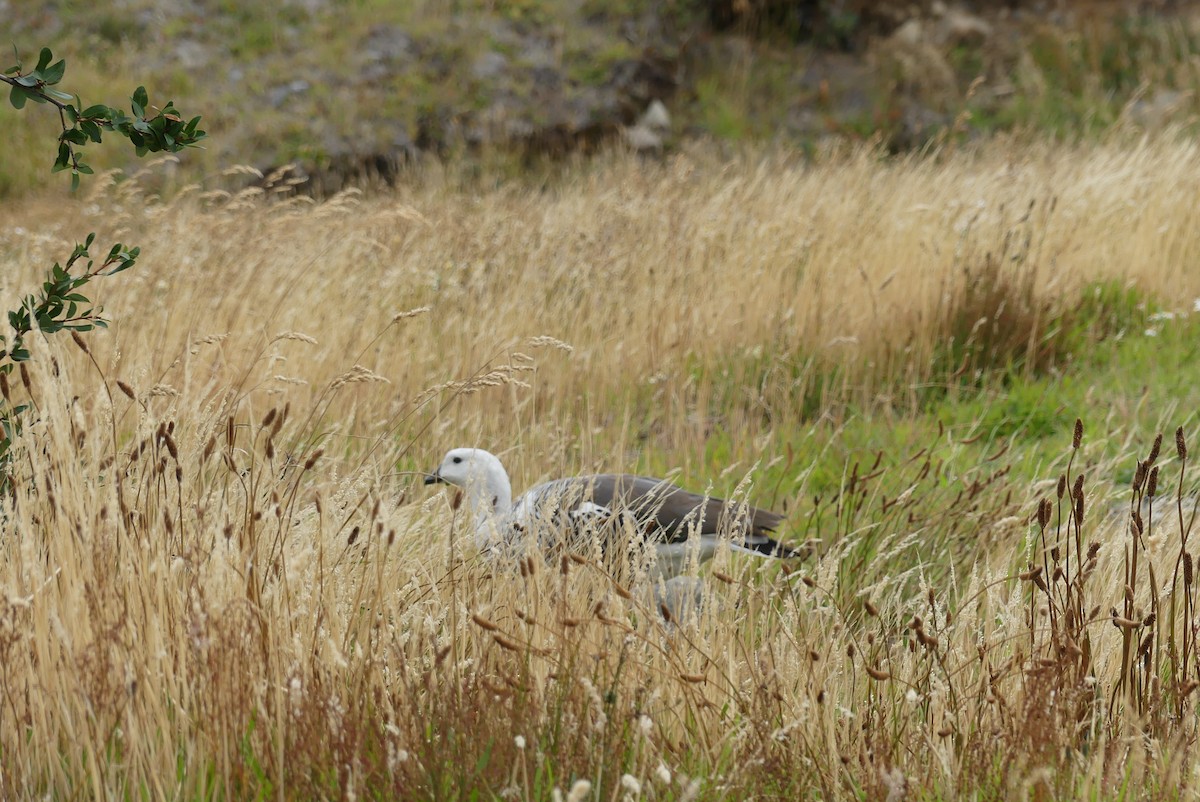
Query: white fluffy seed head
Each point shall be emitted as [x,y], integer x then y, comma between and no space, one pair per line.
[579,791]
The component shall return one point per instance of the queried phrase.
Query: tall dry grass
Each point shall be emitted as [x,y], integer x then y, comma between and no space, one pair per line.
[221,580]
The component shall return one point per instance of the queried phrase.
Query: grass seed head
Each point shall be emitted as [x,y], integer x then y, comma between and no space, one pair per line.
[1077,437]
[1180,444]
[1155,449]
[1139,476]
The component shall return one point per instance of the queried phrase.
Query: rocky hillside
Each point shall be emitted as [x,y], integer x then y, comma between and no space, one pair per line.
[350,89]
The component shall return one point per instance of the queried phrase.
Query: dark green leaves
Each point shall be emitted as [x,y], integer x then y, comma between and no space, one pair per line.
[36,85]
[60,304]
[149,132]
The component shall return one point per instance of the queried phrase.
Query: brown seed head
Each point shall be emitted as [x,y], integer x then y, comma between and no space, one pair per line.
[1139,476]
[1043,513]
[83,346]
[127,390]
[1077,437]
[877,674]
[483,623]
[1062,486]
[1153,458]
[1152,485]
[505,643]
[1180,445]
[1187,569]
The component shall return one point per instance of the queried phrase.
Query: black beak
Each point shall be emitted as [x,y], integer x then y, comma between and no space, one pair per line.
[434,478]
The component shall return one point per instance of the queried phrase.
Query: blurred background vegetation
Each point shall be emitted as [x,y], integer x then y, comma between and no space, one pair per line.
[355,90]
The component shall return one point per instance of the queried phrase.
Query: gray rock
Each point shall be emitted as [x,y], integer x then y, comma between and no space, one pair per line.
[489,65]
[278,95]
[643,139]
[389,43]
[656,117]
[539,52]
[192,55]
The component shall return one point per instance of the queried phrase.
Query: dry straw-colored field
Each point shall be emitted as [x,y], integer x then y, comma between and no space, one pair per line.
[222,579]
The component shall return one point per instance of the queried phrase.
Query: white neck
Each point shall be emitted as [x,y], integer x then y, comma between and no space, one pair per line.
[489,501]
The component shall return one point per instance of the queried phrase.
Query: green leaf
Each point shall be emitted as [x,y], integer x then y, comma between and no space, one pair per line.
[17,97]
[99,110]
[140,101]
[74,180]
[43,59]
[85,169]
[57,95]
[64,157]
[54,73]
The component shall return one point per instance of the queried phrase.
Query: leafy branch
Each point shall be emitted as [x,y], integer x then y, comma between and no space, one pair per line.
[165,131]
[59,304]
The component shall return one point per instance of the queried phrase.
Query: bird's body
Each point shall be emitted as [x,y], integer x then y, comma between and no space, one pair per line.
[635,511]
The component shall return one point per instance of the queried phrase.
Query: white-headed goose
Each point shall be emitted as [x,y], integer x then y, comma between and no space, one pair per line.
[580,507]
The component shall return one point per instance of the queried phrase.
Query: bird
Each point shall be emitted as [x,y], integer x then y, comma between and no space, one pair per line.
[652,514]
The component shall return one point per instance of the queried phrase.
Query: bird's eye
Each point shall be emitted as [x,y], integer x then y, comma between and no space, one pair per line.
[456,460]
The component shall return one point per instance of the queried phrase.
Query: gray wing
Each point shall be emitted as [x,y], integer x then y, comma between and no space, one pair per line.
[661,511]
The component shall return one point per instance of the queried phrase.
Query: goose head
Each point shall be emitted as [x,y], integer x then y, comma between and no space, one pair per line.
[485,484]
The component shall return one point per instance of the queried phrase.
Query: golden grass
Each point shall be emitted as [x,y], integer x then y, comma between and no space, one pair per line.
[219,580]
